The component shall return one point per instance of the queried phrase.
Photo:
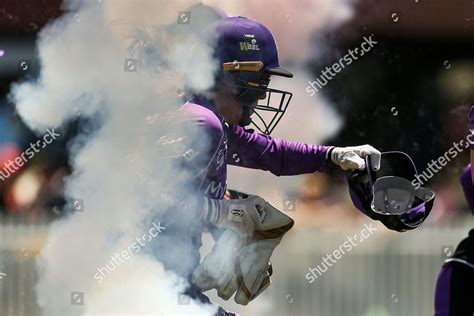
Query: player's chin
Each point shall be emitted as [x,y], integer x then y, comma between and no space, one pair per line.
[233,121]
[238,117]
[238,122]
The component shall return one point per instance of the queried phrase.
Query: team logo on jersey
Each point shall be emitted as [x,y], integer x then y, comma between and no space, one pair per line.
[216,189]
[220,158]
[252,45]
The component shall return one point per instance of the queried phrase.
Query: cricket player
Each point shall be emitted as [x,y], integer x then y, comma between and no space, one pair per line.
[247,58]
[454,288]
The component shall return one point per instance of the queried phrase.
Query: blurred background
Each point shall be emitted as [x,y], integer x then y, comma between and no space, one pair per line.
[411,92]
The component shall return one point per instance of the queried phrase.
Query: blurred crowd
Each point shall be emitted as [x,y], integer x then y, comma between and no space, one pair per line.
[31,190]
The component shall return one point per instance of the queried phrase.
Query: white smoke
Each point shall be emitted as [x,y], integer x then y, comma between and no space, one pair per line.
[118,168]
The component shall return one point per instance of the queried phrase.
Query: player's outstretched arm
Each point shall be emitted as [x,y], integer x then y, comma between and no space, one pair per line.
[282,157]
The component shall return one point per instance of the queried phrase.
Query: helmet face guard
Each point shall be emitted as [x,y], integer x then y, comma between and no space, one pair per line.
[388,195]
[250,83]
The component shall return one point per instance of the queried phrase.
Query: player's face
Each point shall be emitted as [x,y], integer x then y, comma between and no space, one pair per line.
[228,106]
[248,110]
[235,112]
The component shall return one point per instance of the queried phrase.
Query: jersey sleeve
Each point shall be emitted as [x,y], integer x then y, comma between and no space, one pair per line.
[188,136]
[280,157]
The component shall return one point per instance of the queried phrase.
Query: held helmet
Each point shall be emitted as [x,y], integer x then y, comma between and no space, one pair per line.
[388,194]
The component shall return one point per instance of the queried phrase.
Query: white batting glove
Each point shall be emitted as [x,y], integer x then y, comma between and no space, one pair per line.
[353,158]
[240,215]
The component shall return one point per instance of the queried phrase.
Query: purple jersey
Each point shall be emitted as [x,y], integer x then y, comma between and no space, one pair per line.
[454,288]
[235,145]
[224,145]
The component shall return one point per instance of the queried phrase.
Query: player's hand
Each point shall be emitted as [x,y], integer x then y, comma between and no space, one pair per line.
[240,215]
[353,158]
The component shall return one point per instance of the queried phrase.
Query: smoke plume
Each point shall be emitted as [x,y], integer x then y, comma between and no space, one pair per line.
[123,66]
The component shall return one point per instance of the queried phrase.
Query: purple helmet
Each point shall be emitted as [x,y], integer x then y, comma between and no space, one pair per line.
[248,56]
[388,194]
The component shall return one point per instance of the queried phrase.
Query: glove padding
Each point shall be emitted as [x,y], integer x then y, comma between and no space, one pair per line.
[228,270]
[242,265]
[216,270]
[352,158]
[254,269]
